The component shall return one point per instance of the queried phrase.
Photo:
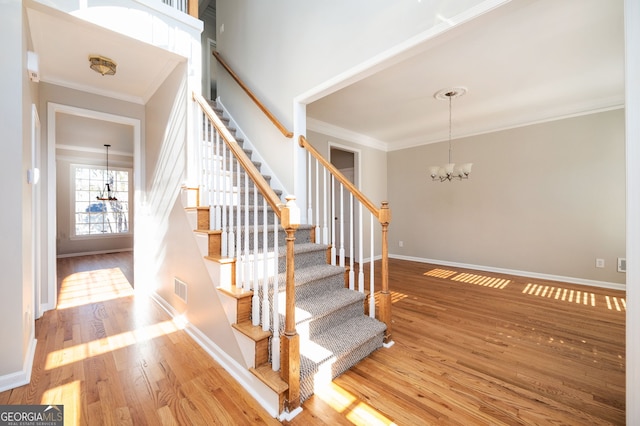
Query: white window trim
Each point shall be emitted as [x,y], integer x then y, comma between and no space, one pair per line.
[72,203]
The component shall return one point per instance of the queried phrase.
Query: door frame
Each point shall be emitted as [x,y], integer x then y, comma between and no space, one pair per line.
[138,183]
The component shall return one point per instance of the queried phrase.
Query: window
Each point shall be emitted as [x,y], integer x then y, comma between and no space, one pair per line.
[92,216]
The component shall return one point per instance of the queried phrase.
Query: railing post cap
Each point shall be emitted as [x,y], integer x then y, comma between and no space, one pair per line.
[290,213]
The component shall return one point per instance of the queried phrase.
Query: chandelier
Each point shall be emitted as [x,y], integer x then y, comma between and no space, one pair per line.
[450,171]
[107,194]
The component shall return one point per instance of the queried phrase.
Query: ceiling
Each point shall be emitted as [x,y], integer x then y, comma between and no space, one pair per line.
[525,62]
[64,42]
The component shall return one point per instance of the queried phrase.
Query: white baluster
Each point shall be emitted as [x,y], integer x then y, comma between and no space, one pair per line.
[341,221]
[309,193]
[254,278]
[239,257]
[215,186]
[265,267]
[325,191]
[317,205]
[275,339]
[232,185]
[223,199]
[360,250]
[247,252]
[372,301]
[333,222]
[351,242]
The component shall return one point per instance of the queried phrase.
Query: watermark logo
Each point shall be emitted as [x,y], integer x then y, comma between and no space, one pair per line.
[31,415]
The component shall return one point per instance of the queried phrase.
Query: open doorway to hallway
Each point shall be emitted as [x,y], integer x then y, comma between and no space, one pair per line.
[76,151]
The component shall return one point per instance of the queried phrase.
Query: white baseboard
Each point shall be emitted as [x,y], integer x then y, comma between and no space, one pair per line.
[266,397]
[88,253]
[528,274]
[22,377]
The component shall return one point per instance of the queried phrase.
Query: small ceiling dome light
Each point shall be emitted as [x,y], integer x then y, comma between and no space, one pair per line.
[102,65]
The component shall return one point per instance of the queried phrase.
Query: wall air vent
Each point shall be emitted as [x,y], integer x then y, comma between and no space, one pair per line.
[180,289]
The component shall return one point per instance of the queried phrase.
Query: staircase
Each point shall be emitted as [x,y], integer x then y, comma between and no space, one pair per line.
[330,319]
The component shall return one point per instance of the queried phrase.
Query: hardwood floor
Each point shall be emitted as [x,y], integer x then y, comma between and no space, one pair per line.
[474,348]
[471,348]
[112,359]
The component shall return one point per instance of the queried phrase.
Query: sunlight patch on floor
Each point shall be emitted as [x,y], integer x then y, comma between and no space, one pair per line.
[482,280]
[573,296]
[395,297]
[82,288]
[76,353]
[68,395]
[616,304]
[356,411]
[440,273]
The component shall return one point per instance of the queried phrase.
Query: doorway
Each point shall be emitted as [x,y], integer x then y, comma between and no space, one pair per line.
[54,113]
[346,160]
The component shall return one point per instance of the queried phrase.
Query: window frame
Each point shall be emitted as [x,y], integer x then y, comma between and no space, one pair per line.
[72,201]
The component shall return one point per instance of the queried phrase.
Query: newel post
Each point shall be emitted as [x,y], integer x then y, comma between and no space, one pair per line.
[290,342]
[192,8]
[385,297]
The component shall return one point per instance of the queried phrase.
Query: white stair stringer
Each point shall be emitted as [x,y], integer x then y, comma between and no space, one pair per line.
[220,272]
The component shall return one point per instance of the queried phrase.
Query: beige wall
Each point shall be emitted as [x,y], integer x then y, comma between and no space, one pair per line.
[547,199]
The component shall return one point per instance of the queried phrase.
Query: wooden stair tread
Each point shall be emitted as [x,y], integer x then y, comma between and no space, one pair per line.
[271,378]
[202,208]
[254,332]
[208,231]
[234,291]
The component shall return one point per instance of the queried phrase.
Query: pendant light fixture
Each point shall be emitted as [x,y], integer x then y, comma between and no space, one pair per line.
[450,171]
[107,194]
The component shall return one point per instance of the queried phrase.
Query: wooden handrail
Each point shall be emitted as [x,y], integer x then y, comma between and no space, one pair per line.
[304,143]
[255,175]
[287,133]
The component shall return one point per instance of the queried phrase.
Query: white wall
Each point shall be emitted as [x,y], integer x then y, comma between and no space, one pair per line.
[632,95]
[547,198]
[16,290]
[164,247]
